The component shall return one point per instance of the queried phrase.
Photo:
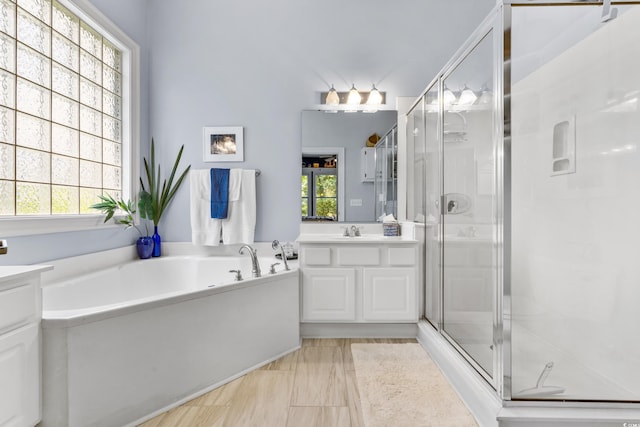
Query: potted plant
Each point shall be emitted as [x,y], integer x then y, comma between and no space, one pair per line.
[109,206]
[155,197]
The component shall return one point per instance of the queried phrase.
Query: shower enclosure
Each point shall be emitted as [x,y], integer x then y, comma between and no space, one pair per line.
[524,152]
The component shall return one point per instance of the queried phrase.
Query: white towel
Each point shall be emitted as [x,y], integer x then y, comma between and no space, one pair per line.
[235,181]
[204,229]
[240,224]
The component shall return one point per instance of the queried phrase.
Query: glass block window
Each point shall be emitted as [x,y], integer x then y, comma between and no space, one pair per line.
[61,130]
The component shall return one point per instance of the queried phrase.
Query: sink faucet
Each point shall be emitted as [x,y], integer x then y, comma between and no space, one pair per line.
[355,231]
[255,266]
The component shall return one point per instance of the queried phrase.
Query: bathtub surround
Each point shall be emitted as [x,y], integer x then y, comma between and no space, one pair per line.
[129,347]
[399,384]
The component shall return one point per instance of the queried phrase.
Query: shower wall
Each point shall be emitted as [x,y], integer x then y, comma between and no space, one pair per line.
[575,204]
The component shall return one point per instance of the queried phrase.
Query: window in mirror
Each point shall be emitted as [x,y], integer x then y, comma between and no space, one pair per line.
[319,188]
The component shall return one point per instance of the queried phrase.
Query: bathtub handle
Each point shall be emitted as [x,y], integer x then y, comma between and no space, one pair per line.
[238,274]
[272,270]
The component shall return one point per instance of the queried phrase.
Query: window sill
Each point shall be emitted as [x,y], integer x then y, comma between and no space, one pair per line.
[30,225]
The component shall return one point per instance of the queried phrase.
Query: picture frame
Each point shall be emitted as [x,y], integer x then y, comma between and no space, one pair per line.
[223,144]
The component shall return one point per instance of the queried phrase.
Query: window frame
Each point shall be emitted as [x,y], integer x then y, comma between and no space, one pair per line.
[41,224]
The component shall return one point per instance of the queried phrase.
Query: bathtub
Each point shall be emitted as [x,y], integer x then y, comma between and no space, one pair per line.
[124,343]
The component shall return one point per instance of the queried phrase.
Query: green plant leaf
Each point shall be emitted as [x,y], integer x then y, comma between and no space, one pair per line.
[160,191]
[145,205]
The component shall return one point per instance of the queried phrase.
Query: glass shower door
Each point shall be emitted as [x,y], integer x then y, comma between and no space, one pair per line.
[468,206]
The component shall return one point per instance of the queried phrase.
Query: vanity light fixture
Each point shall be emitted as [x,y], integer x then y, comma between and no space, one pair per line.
[353,100]
[467,96]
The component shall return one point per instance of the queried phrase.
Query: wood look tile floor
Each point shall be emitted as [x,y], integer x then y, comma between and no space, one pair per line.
[314,386]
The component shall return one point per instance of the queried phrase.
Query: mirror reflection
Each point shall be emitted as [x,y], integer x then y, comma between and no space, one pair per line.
[338,164]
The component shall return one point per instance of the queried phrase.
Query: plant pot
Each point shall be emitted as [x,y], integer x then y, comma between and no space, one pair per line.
[144,245]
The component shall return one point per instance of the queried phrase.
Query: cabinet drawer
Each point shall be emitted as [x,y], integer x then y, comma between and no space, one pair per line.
[18,306]
[402,256]
[316,256]
[358,255]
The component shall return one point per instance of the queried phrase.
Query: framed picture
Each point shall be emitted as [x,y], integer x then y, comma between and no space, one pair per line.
[223,144]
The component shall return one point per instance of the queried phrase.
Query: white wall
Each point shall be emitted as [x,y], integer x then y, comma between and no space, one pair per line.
[258,64]
[575,269]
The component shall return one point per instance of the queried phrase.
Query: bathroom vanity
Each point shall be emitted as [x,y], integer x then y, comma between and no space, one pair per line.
[365,279]
[20,313]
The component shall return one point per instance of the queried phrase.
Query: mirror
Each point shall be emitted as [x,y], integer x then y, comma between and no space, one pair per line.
[333,160]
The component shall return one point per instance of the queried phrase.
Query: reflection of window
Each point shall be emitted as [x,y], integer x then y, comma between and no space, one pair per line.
[319,193]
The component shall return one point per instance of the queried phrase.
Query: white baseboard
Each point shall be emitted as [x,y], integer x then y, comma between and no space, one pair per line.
[358,330]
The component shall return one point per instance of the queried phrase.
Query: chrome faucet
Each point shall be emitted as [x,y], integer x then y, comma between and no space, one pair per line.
[275,245]
[255,266]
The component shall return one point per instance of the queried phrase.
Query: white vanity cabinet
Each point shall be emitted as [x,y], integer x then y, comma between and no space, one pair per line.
[20,314]
[354,280]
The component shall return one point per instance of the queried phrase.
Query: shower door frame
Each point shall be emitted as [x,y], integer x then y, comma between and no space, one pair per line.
[492,24]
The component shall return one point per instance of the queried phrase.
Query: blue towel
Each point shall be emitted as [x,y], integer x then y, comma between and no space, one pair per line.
[219,193]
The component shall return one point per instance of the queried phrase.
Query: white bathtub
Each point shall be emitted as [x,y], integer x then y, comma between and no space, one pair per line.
[124,343]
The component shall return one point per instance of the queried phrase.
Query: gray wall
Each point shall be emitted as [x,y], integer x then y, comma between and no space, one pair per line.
[258,64]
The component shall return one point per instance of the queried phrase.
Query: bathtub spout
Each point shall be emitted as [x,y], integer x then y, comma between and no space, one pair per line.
[255,266]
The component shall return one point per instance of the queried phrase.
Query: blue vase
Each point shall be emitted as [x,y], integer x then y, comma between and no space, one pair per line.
[157,242]
[144,246]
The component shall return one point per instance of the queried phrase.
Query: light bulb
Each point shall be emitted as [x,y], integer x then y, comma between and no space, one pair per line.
[375,97]
[332,97]
[448,97]
[354,97]
[467,96]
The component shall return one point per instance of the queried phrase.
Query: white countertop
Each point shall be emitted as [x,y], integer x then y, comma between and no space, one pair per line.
[10,272]
[364,239]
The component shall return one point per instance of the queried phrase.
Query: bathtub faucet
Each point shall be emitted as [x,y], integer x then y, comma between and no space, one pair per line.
[275,245]
[255,266]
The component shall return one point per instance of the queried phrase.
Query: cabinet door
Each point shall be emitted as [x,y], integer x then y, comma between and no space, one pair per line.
[367,164]
[389,294]
[328,294]
[20,377]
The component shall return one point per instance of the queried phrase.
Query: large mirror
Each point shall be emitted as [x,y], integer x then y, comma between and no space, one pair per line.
[337,166]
